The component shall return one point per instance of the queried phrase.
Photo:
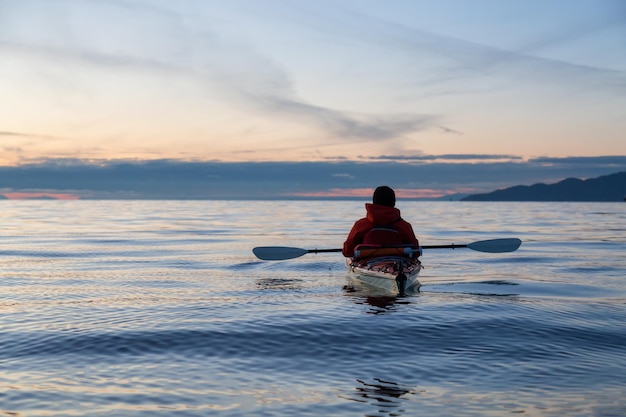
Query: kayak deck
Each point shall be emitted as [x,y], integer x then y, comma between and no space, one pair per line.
[392,273]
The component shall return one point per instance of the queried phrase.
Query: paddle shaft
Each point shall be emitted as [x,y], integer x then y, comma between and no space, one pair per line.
[443,246]
[323,250]
[423,247]
[275,253]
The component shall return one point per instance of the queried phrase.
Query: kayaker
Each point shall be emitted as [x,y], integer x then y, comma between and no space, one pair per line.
[382,225]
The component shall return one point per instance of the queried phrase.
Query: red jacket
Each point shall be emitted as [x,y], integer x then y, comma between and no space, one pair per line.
[378,215]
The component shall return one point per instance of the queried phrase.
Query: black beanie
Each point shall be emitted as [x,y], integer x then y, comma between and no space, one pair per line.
[384,196]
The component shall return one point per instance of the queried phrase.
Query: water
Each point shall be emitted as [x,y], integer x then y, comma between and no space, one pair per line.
[159,308]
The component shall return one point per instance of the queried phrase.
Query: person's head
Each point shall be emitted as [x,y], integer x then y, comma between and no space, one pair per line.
[384,196]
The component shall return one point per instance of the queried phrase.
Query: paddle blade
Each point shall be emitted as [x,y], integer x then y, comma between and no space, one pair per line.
[496,245]
[278,253]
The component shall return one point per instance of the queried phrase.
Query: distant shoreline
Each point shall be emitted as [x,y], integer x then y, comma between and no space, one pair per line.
[607,188]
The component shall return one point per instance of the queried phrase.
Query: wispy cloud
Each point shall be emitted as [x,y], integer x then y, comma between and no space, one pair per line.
[445,157]
[460,60]
[349,126]
[166,42]
[444,64]
[27,135]
[600,161]
[324,77]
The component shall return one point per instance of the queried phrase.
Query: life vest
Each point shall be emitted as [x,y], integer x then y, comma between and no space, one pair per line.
[383,235]
[384,240]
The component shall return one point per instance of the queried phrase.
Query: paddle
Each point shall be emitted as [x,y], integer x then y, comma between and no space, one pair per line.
[279,253]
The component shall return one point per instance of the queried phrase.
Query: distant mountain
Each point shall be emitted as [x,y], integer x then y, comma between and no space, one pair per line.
[606,188]
[452,197]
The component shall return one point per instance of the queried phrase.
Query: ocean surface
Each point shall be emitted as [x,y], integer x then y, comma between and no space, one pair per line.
[159,308]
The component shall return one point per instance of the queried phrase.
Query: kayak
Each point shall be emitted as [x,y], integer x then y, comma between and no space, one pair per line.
[384,273]
[391,271]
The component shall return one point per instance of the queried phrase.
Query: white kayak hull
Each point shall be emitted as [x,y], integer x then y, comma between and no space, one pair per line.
[382,273]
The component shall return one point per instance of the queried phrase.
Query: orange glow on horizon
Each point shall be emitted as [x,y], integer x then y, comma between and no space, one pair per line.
[32,195]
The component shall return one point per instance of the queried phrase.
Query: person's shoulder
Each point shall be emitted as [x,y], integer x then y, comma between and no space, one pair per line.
[404,222]
[363,222]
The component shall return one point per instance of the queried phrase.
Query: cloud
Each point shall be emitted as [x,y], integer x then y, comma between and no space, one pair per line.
[460,65]
[15,134]
[582,161]
[343,175]
[299,75]
[163,179]
[349,126]
[445,157]
[124,36]
[27,135]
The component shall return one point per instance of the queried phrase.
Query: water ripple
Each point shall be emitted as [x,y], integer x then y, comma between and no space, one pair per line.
[156,308]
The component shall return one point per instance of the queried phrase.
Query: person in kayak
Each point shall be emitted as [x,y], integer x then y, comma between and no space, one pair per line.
[381,226]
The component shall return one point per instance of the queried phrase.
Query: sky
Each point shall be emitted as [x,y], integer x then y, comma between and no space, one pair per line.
[287,98]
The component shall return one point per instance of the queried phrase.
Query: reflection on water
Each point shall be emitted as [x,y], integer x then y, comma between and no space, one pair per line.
[382,303]
[384,396]
[494,288]
[279,284]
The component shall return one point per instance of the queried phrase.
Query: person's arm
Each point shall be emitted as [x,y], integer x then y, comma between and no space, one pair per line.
[355,237]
